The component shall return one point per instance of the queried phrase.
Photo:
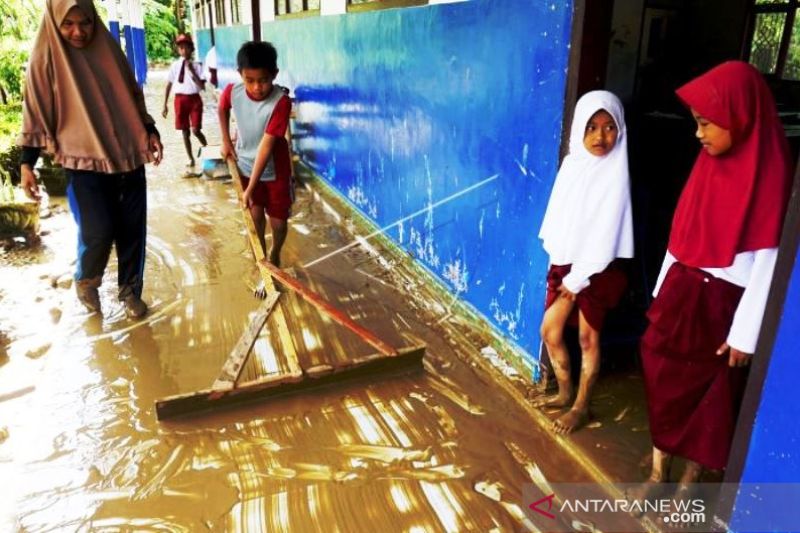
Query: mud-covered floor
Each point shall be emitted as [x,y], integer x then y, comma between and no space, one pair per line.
[446,449]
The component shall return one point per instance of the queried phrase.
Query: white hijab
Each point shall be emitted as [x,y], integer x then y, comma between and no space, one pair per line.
[588,217]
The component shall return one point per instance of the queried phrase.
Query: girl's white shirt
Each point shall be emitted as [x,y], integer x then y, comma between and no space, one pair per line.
[753,271]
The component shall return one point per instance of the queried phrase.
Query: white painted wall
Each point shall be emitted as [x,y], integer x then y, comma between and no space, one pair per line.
[267,8]
[111,9]
[332,7]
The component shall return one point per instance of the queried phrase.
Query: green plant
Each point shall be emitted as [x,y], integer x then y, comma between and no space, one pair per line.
[10,125]
[9,162]
[161,27]
[12,71]
[19,20]
[6,188]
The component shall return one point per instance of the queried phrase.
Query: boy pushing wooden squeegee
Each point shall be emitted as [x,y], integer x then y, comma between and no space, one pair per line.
[226,389]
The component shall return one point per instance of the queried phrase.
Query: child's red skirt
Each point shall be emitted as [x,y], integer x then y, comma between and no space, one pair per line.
[693,396]
[595,301]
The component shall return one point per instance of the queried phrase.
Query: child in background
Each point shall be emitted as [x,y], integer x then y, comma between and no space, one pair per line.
[185,75]
[587,226]
[712,290]
[211,66]
[262,111]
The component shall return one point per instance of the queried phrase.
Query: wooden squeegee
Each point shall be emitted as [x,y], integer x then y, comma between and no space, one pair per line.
[227,391]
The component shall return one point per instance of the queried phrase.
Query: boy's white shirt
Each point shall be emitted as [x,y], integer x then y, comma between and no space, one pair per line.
[188,86]
[588,222]
[751,270]
[211,58]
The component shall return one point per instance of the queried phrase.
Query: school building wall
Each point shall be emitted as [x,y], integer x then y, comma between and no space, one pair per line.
[773,456]
[398,109]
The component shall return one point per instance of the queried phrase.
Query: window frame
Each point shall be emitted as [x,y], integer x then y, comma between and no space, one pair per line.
[303,13]
[221,18]
[236,12]
[200,21]
[789,8]
[374,5]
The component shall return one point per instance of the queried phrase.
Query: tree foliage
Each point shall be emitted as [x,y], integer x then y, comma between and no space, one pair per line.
[161,28]
[19,20]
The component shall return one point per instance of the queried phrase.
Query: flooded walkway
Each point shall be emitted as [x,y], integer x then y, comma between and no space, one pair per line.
[447,449]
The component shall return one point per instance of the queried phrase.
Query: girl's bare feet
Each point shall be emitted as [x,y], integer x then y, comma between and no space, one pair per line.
[553,401]
[570,421]
[655,486]
[651,489]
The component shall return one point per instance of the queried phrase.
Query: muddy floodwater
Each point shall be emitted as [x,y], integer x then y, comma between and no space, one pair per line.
[442,449]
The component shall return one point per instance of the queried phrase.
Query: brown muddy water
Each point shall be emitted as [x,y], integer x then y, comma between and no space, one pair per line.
[81,450]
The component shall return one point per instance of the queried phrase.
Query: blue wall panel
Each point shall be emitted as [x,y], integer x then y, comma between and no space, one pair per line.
[113,27]
[202,40]
[399,109]
[774,453]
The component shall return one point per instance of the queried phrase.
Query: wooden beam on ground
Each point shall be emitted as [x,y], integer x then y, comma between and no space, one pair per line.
[235,363]
[334,314]
[407,360]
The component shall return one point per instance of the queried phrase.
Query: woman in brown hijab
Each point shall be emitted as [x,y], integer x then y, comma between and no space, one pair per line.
[82,105]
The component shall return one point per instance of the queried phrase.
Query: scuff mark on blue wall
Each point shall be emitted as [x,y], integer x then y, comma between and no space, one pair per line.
[401,108]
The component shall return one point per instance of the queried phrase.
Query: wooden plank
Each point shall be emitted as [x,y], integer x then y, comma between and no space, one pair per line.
[289,351]
[335,314]
[235,363]
[407,360]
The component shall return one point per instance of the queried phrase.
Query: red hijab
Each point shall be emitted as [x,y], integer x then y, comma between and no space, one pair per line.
[734,202]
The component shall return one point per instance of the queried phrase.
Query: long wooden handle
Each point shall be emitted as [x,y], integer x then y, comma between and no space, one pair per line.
[289,352]
[307,294]
[335,314]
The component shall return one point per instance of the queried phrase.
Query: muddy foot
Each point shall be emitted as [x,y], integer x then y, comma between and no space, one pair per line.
[553,401]
[684,496]
[649,490]
[260,291]
[570,421]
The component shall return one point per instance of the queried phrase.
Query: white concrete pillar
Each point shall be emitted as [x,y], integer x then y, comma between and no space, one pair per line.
[267,8]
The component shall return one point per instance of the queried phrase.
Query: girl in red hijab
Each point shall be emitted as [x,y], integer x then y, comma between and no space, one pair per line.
[712,290]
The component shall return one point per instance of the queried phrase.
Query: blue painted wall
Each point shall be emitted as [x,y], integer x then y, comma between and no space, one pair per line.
[774,453]
[398,109]
[202,39]
[113,27]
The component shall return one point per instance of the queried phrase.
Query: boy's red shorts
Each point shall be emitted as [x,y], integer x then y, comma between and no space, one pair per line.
[188,109]
[276,197]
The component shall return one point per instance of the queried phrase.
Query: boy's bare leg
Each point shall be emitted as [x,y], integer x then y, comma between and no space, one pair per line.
[555,318]
[260,223]
[200,137]
[578,415]
[279,230]
[187,143]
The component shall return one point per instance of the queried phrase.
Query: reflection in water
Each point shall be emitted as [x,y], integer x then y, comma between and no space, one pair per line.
[439,451]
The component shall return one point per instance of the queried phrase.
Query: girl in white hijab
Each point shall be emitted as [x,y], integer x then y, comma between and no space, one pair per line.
[587,226]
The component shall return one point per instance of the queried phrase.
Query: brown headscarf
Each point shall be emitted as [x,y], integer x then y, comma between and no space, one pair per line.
[83,105]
